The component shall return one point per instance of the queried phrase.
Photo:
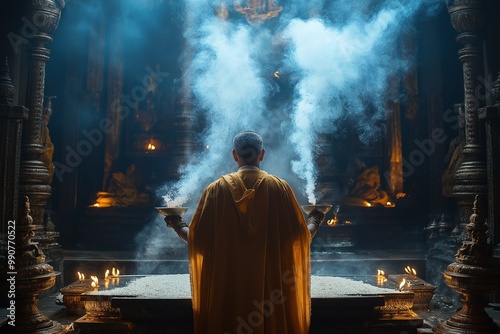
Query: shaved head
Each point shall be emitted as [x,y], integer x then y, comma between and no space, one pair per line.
[248,145]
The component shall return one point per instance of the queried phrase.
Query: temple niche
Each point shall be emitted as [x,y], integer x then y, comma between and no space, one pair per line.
[411,177]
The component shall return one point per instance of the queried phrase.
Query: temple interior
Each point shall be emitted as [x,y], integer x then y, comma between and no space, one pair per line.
[385,110]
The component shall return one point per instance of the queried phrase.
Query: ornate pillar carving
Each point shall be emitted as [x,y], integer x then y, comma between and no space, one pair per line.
[11,125]
[468,18]
[491,117]
[34,175]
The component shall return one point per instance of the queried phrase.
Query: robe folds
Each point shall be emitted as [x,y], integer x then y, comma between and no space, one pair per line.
[249,257]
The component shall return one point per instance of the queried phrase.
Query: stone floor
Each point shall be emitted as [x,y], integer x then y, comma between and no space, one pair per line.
[443,306]
[441,311]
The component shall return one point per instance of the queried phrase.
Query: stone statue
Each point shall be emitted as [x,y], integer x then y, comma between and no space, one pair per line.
[123,191]
[363,185]
[47,144]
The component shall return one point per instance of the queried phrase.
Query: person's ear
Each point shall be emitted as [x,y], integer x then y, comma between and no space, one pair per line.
[262,153]
[235,156]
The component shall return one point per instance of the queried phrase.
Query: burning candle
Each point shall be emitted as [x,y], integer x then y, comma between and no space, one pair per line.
[81,277]
[381,277]
[95,282]
[410,271]
[402,284]
[115,272]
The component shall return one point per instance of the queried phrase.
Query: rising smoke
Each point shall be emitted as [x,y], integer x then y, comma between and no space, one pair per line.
[339,54]
[338,57]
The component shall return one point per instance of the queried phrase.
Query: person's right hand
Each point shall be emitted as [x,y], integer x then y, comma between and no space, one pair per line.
[317,216]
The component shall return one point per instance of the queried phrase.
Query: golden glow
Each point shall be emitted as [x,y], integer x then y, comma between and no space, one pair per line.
[95,281]
[410,271]
[81,276]
[332,222]
[402,284]
[257,10]
[381,277]
[277,75]
[106,274]
[368,204]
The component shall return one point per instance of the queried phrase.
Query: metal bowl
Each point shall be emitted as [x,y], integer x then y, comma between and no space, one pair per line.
[324,208]
[166,211]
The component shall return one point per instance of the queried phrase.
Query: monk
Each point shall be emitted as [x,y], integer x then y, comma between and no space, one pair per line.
[249,246]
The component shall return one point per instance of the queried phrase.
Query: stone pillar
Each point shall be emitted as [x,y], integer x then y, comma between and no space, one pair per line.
[491,117]
[11,125]
[34,175]
[468,18]
[117,110]
[327,187]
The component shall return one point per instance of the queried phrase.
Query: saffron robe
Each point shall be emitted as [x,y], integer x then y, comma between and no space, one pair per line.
[249,257]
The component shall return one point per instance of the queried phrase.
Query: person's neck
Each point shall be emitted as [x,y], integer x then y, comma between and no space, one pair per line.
[246,167]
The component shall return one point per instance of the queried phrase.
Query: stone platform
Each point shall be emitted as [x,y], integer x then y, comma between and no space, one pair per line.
[372,313]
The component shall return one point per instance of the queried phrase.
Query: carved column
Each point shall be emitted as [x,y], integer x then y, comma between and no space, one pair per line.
[468,18]
[491,117]
[34,175]
[11,125]
[118,107]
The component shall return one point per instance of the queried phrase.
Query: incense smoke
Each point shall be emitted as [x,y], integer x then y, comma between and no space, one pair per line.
[341,56]
[343,70]
[337,56]
[228,91]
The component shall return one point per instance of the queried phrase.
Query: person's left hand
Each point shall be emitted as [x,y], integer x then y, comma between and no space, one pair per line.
[173,221]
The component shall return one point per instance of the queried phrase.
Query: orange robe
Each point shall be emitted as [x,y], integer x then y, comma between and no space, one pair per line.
[249,257]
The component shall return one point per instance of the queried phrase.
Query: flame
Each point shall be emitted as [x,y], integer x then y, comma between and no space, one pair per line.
[381,277]
[95,281]
[389,203]
[81,276]
[402,284]
[276,75]
[410,271]
[400,195]
[96,205]
[115,272]
[151,147]
[368,204]
[332,222]
[348,222]
[106,274]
